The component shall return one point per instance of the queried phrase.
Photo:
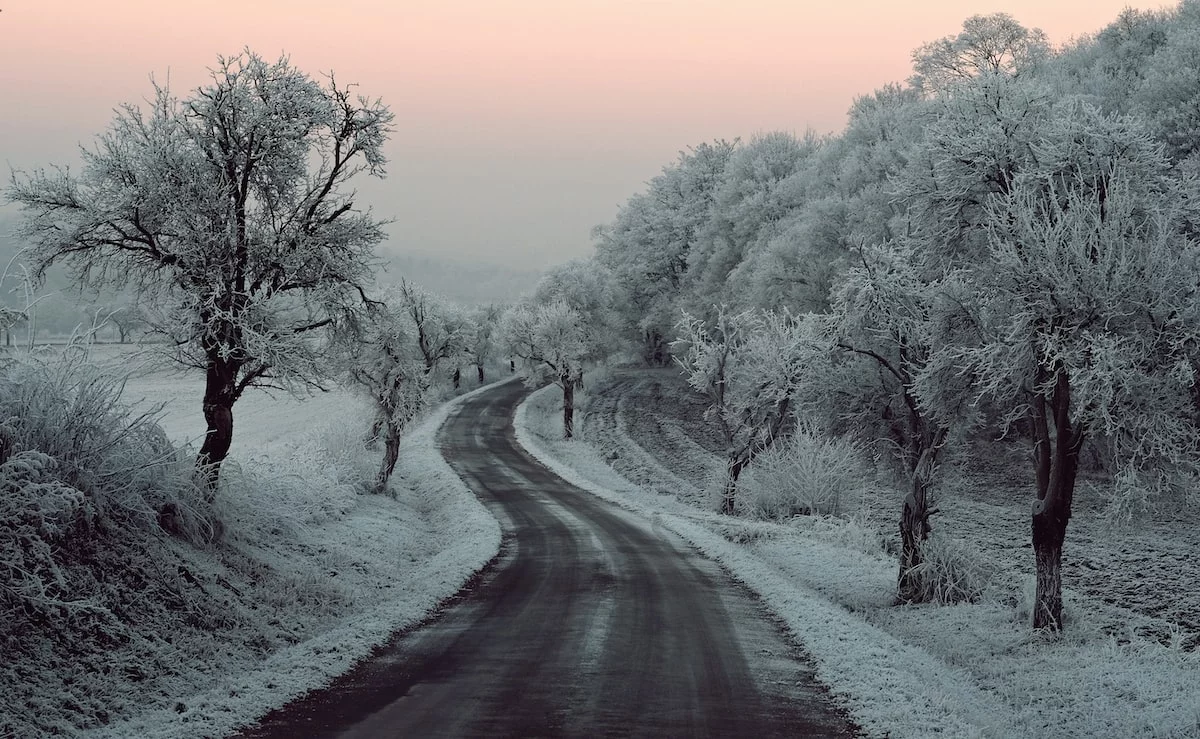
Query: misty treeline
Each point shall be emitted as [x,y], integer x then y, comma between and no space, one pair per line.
[1002,248]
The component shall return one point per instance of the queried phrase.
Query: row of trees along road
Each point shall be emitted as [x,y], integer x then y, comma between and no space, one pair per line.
[1006,243]
[1004,247]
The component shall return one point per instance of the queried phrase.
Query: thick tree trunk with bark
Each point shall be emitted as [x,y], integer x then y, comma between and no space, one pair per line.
[915,513]
[914,529]
[568,407]
[220,392]
[1048,535]
[1057,457]
[391,452]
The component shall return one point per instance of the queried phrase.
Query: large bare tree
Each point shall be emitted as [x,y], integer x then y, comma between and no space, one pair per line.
[226,211]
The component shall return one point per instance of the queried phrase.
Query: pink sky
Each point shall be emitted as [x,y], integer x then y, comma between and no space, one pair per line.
[520,123]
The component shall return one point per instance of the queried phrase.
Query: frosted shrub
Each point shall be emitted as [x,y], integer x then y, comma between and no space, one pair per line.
[37,514]
[319,481]
[806,473]
[71,456]
[951,571]
[72,412]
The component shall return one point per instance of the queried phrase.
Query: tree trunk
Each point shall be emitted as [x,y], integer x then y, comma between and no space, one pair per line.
[220,392]
[479,371]
[734,466]
[1057,457]
[568,407]
[373,434]
[914,529]
[655,352]
[1049,532]
[914,516]
[391,452]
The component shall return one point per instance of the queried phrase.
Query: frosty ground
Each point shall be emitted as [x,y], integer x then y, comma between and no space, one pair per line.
[314,575]
[311,576]
[1126,666]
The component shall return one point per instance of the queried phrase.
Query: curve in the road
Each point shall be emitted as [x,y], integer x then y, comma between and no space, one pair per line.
[591,623]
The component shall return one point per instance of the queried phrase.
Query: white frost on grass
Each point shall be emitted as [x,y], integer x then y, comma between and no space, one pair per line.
[965,670]
[394,559]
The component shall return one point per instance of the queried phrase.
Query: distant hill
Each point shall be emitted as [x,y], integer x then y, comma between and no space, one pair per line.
[460,280]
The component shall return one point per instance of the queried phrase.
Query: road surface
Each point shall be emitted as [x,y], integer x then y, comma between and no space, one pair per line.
[590,623]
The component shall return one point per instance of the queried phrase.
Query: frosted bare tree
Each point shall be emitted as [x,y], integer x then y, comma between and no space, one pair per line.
[889,316]
[749,365]
[551,344]
[378,354]
[440,328]
[227,212]
[480,337]
[648,245]
[1089,312]
[128,319]
[9,318]
[993,44]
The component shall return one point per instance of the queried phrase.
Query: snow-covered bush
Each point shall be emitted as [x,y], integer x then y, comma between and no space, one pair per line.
[951,571]
[37,513]
[121,461]
[318,480]
[72,460]
[806,473]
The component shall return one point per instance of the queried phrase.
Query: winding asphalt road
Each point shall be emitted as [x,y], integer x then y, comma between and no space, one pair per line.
[591,623]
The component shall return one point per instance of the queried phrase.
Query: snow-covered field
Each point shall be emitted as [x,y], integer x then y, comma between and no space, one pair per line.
[1128,664]
[310,576]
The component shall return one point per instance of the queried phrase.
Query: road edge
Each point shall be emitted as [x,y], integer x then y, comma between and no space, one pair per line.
[293,672]
[889,688]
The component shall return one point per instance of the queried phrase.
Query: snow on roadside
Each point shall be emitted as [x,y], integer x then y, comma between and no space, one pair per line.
[461,537]
[891,688]
[1128,662]
[1093,681]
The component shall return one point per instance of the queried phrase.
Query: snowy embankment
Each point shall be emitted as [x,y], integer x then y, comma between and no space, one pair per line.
[963,670]
[376,564]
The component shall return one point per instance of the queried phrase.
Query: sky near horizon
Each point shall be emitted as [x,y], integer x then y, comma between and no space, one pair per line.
[520,124]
